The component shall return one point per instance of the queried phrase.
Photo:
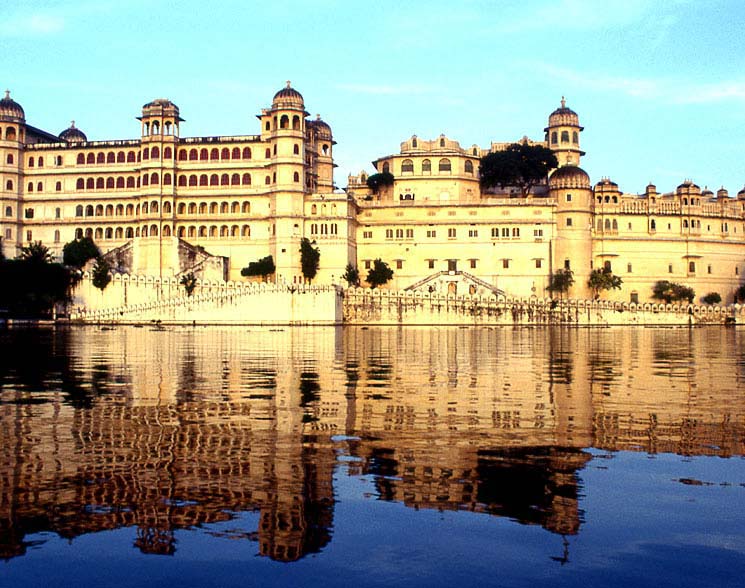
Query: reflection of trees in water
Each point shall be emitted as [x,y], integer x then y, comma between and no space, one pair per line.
[560,356]
[38,360]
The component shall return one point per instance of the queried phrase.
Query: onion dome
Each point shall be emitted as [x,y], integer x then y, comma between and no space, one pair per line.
[73,134]
[741,194]
[10,110]
[322,129]
[688,186]
[288,97]
[706,193]
[160,107]
[569,176]
[606,183]
[563,116]
[722,193]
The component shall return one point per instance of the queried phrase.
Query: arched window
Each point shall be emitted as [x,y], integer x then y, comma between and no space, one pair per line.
[181,232]
[130,210]
[90,159]
[236,153]
[202,231]
[182,180]
[89,232]
[444,165]
[109,233]
[121,157]
[442,141]
[235,179]
[155,153]
[267,180]
[110,157]
[296,177]
[246,231]
[246,209]
[99,183]
[182,155]
[118,233]
[40,162]
[39,187]
[203,180]
[167,179]
[79,184]
[224,180]
[246,181]
[80,160]
[225,153]
[214,180]
[154,207]
[99,210]
[296,122]
[215,153]
[575,137]
[193,154]
[235,207]
[386,168]
[275,149]
[30,187]
[31,162]
[153,230]
[267,153]
[407,166]
[607,224]
[202,208]
[181,208]
[192,180]
[246,153]
[296,149]
[565,136]
[192,208]
[79,210]
[145,180]
[554,138]
[203,154]
[213,207]
[600,225]
[167,231]
[119,210]
[145,208]
[615,225]
[9,184]
[224,231]
[10,134]
[426,166]
[224,208]
[101,158]
[130,182]
[130,156]
[109,183]
[469,167]
[129,233]
[146,153]
[325,149]
[685,224]
[234,231]
[90,183]
[267,126]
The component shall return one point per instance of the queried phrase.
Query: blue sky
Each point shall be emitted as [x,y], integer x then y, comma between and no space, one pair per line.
[658,85]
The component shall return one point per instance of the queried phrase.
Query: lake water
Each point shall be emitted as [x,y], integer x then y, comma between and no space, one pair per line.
[372,457]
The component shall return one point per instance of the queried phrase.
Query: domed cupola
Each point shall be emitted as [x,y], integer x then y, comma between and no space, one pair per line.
[321,128]
[562,135]
[73,134]
[161,107]
[569,176]
[10,110]
[288,97]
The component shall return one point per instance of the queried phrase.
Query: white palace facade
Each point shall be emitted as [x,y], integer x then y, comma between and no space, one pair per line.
[164,205]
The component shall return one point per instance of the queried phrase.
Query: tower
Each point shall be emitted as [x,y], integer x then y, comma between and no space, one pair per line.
[562,135]
[12,137]
[283,132]
[569,186]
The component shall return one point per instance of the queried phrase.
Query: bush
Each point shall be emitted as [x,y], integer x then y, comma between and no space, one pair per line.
[377,181]
[380,273]
[712,298]
[263,267]
[672,292]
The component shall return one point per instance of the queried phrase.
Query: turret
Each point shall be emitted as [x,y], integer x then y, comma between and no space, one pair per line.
[12,137]
[569,186]
[562,135]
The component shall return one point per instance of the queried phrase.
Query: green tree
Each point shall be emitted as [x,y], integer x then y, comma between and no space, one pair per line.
[263,267]
[31,286]
[380,273]
[672,292]
[740,294]
[310,258]
[712,298]
[36,253]
[377,181]
[189,282]
[79,252]
[100,274]
[351,275]
[561,280]
[520,164]
[603,279]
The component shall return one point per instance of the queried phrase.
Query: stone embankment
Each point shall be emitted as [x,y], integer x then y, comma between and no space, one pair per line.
[138,299]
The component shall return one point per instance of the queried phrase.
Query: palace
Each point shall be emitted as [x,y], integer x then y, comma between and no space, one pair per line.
[163,205]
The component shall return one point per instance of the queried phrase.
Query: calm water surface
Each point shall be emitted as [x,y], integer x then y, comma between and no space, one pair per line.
[372,457]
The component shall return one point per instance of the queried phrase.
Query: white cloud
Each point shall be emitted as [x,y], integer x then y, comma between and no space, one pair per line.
[667,90]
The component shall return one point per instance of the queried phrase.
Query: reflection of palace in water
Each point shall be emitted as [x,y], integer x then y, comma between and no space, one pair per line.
[169,429]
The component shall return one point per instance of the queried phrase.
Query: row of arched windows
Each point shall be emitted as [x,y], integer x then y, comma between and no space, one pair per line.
[10,133]
[109,183]
[203,231]
[153,207]
[607,225]
[111,157]
[564,137]
[154,129]
[444,165]
[121,182]
[215,180]
[39,186]
[608,199]
[214,154]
